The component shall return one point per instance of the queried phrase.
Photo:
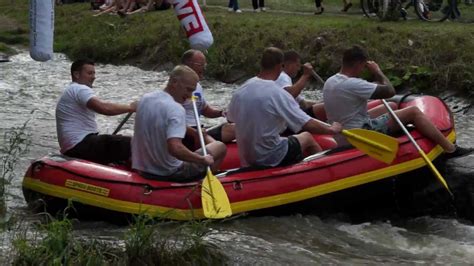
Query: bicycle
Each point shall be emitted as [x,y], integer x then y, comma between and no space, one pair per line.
[426,10]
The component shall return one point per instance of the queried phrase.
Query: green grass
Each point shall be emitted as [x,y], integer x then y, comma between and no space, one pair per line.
[15,144]
[146,242]
[443,51]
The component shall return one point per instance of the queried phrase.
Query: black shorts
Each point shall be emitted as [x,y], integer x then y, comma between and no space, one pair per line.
[215,133]
[309,111]
[294,153]
[103,149]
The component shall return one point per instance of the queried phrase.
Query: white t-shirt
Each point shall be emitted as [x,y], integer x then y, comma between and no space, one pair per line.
[74,120]
[158,118]
[261,110]
[200,104]
[285,81]
[345,101]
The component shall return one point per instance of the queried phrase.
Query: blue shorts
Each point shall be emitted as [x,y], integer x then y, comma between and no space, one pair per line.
[379,124]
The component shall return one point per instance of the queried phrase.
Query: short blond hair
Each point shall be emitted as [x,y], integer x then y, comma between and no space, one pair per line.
[181,71]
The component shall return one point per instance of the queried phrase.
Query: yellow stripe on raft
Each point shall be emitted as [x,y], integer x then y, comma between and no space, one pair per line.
[237,207]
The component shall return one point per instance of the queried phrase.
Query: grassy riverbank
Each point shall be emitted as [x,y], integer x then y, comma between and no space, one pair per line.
[430,56]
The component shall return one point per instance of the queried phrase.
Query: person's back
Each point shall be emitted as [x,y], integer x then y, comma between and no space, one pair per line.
[149,151]
[345,100]
[260,110]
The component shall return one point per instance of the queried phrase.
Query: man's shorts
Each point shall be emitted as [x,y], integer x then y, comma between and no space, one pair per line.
[379,124]
[294,153]
[103,149]
[215,133]
[309,111]
[190,171]
[187,172]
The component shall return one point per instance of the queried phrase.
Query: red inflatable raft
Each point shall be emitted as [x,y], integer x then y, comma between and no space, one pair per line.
[55,177]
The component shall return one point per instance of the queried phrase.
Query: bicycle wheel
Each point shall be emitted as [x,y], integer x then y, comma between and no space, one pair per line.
[433,10]
[373,8]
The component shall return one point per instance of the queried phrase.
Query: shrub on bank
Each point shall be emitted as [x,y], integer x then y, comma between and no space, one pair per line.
[145,243]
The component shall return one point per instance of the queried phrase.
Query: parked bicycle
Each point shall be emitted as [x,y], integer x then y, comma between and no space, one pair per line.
[427,10]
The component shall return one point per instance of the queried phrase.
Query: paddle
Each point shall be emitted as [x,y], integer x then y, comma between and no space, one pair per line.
[122,123]
[316,76]
[377,145]
[215,203]
[422,153]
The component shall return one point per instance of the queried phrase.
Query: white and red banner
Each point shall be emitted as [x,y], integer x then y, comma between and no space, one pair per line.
[192,20]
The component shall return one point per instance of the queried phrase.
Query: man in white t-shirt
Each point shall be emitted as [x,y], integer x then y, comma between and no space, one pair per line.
[291,67]
[160,126]
[346,95]
[261,110]
[196,60]
[75,120]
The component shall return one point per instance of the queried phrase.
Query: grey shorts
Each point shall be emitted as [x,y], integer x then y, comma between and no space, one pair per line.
[379,124]
[187,172]
[191,171]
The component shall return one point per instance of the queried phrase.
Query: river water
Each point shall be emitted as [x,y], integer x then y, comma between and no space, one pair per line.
[26,86]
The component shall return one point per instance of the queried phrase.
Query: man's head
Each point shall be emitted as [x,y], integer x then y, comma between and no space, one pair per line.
[355,59]
[182,83]
[272,60]
[83,72]
[291,63]
[196,60]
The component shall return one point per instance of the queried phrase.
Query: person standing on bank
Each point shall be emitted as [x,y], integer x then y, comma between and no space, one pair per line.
[319,7]
[261,110]
[258,5]
[196,60]
[77,130]
[160,125]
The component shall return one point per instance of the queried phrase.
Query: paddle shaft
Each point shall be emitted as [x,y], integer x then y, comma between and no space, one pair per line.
[316,76]
[122,123]
[422,153]
[203,147]
[199,130]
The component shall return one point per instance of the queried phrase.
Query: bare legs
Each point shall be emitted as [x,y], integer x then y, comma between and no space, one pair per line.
[218,151]
[413,115]
[380,110]
[308,144]
[228,133]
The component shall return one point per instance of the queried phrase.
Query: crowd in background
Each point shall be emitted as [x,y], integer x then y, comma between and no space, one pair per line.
[129,7]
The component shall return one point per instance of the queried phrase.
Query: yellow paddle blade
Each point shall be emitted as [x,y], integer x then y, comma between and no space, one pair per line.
[435,171]
[377,145]
[215,203]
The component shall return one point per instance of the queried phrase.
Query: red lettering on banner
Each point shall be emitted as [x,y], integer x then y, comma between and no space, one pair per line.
[188,16]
